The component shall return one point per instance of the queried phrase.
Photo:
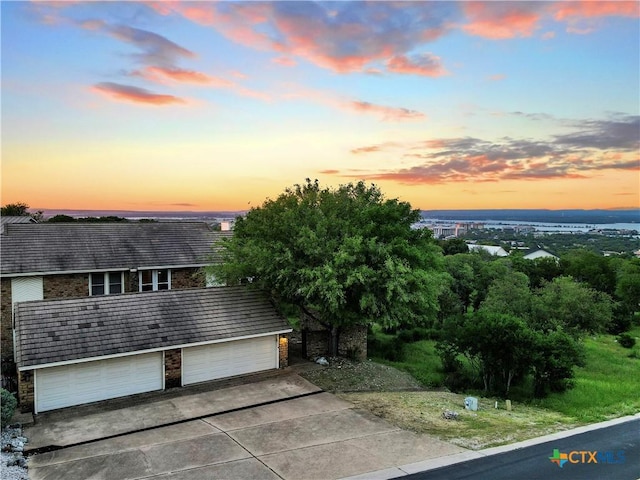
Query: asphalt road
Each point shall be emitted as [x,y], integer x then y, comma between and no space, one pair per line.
[618,443]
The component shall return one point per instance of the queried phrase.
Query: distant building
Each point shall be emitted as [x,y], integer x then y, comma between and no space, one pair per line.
[453,230]
[539,254]
[495,250]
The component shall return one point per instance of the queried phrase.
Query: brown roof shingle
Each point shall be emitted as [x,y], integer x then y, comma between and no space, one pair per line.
[59,247]
[49,331]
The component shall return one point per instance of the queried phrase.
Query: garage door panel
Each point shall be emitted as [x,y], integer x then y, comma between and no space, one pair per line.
[75,384]
[221,360]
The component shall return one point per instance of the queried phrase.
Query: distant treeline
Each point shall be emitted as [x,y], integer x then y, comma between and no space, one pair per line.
[544,216]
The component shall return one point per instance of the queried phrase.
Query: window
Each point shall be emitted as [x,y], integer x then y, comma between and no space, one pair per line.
[107,283]
[151,280]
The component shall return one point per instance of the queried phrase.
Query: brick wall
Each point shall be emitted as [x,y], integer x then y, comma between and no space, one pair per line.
[6,328]
[283,350]
[352,341]
[187,278]
[65,286]
[26,392]
[173,368]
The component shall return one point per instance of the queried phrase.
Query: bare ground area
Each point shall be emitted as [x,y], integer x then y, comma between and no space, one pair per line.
[399,399]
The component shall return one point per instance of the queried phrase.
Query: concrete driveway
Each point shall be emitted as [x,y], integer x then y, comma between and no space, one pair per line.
[296,432]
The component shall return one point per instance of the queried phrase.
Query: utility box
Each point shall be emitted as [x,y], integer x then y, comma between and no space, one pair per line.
[471,403]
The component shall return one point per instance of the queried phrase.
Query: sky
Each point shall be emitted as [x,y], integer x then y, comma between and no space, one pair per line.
[169,105]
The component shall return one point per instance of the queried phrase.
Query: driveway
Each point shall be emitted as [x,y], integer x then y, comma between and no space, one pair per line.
[277,428]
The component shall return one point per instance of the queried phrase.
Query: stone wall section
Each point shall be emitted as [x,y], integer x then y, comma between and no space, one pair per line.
[6,327]
[65,286]
[187,278]
[26,391]
[173,368]
[352,341]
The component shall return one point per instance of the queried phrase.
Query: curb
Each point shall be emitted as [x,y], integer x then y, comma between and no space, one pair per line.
[432,464]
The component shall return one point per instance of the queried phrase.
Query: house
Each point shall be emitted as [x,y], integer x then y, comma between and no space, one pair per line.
[97,311]
[491,249]
[540,254]
[6,220]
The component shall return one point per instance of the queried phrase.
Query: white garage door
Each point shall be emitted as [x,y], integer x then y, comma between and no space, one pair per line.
[237,357]
[79,383]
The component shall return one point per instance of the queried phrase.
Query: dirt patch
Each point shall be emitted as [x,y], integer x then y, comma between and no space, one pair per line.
[344,375]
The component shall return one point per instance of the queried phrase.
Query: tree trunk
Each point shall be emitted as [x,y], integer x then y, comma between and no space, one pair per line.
[509,378]
[333,341]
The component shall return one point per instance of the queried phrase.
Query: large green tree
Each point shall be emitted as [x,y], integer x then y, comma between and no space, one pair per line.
[20,209]
[344,256]
[572,305]
[15,210]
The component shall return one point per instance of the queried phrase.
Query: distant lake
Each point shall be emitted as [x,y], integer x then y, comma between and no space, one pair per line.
[543,226]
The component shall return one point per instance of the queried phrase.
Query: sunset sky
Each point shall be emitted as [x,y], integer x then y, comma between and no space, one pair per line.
[167,105]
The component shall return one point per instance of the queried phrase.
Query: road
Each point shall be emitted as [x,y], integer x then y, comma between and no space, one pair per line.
[533,463]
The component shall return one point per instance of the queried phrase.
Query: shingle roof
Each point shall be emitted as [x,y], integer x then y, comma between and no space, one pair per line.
[16,219]
[67,247]
[492,249]
[49,331]
[539,254]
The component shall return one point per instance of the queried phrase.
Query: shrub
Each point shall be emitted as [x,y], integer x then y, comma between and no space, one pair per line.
[418,333]
[9,403]
[387,349]
[626,340]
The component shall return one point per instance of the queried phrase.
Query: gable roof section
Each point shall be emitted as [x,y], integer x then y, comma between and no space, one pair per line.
[51,331]
[4,221]
[539,254]
[17,219]
[492,249]
[70,247]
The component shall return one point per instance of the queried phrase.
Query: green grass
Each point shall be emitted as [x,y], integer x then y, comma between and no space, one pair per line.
[421,361]
[606,387]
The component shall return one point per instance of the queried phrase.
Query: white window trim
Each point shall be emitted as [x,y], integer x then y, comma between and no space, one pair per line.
[154,278]
[105,276]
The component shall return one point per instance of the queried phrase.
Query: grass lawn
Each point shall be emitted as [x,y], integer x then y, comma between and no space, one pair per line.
[608,386]
[421,412]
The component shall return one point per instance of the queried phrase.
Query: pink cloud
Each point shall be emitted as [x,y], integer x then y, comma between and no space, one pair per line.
[426,64]
[329,172]
[369,149]
[203,13]
[374,148]
[342,36]
[595,146]
[156,48]
[501,20]
[386,113]
[497,77]
[133,94]
[284,61]
[181,75]
[248,92]
[591,9]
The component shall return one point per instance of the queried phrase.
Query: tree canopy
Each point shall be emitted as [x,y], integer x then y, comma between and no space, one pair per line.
[345,256]
[15,210]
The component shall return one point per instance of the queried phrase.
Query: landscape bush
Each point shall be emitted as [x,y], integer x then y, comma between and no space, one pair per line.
[8,406]
[626,340]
